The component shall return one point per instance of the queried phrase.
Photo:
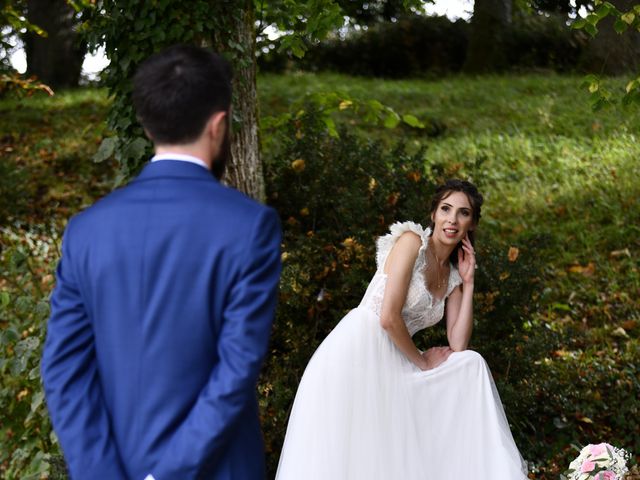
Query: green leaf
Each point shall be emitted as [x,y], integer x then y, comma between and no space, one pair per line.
[578,24]
[36,401]
[619,26]
[297,51]
[106,149]
[34,373]
[375,105]
[27,346]
[331,126]
[176,31]
[41,309]
[124,63]
[4,299]
[628,18]
[602,11]
[588,80]
[591,29]
[123,123]
[392,120]
[294,44]
[23,304]
[10,335]
[159,35]
[17,365]
[598,104]
[561,306]
[412,121]
[136,149]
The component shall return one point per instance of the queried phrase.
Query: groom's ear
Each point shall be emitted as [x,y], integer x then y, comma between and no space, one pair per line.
[216,126]
[216,132]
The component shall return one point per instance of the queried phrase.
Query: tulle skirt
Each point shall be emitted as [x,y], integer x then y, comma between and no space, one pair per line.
[363,411]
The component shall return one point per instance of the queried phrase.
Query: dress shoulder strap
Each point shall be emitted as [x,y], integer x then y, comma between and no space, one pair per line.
[385,243]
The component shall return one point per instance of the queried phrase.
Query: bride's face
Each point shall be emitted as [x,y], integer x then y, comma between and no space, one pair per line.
[452,219]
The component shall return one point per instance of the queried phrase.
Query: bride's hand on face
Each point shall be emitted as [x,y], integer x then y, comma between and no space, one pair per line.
[435,356]
[466,261]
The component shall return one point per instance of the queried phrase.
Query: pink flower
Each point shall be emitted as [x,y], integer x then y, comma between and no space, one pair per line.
[607,475]
[587,466]
[597,450]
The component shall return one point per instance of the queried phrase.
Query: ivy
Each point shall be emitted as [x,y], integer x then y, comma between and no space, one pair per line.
[131,31]
[25,263]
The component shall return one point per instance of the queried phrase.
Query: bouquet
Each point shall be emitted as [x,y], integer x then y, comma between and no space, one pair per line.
[599,462]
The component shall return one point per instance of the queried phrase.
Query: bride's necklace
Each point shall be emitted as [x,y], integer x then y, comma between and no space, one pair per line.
[440,282]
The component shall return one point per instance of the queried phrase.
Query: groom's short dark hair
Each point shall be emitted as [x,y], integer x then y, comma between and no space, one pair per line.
[177,90]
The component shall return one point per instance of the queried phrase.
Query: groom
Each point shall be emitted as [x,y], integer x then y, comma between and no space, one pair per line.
[164,300]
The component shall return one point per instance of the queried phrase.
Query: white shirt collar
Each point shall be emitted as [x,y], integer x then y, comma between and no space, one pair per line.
[180,157]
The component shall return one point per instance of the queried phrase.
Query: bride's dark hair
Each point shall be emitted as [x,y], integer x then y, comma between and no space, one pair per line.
[475,199]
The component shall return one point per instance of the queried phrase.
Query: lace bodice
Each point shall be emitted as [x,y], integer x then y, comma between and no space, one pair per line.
[421,309]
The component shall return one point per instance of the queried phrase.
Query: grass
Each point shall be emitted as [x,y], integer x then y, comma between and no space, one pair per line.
[557,173]
[551,170]
[49,141]
[545,161]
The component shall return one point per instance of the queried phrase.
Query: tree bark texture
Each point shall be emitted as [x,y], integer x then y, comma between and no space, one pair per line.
[57,58]
[245,170]
[489,29]
[611,53]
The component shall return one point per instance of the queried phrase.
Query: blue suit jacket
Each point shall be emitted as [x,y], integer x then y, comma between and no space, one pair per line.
[160,320]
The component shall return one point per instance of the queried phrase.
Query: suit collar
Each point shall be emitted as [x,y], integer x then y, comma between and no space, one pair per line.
[174,169]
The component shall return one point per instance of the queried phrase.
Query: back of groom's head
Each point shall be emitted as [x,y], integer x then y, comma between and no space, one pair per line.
[176,91]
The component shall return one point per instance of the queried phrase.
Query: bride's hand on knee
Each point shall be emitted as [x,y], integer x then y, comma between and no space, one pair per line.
[436,355]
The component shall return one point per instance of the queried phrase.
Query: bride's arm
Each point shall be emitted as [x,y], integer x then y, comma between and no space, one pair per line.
[460,302]
[399,267]
[460,317]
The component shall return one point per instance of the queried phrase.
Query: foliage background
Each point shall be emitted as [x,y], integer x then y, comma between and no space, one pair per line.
[424,46]
[559,324]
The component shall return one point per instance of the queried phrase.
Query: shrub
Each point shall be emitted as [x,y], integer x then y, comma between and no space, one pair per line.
[419,45]
[27,438]
[409,47]
[544,42]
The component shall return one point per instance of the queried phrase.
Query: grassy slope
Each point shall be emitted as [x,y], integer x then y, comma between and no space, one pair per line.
[532,142]
[548,166]
[553,170]
[545,161]
[50,140]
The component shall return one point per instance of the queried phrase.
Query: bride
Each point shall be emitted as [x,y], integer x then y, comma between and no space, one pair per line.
[370,404]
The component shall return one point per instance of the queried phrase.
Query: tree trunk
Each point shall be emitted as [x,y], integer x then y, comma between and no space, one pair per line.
[487,42]
[57,58]
[245,170]
[611,53]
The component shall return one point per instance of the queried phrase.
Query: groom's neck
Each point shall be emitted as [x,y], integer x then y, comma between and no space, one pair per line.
[192,149]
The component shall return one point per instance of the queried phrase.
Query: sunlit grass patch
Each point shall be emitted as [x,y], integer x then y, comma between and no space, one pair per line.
[48,143]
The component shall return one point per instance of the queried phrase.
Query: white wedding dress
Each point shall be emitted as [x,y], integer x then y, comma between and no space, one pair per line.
[365,412]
